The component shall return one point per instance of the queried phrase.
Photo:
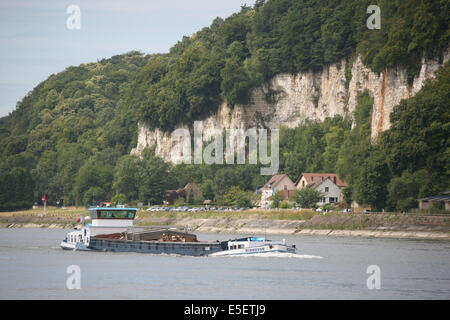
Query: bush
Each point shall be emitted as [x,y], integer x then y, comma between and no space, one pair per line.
[277,198]
[179,202]
[285,205]
[307,197]
[119,198]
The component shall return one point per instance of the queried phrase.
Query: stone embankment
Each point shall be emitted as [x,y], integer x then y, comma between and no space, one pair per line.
[347,225]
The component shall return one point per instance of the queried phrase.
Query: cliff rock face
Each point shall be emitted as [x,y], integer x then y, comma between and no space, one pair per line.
[291,99]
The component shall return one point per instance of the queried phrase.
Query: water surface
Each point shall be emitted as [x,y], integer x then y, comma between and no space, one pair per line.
[32,266]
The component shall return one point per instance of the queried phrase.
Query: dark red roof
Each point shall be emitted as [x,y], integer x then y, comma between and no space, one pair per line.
[315,177]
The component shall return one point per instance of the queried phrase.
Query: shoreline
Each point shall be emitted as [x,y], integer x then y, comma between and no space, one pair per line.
[263,226]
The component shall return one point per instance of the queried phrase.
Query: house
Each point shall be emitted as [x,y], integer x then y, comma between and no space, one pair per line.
[278,182]
[327,183]
[443,201]
[192,187]
[172,195]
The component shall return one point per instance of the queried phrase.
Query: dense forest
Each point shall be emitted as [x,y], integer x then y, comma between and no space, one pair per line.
[71,136]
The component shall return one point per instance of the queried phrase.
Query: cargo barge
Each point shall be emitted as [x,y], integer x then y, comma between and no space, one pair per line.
[111,229]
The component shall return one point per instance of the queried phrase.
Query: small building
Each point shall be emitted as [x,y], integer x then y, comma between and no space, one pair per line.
[172,195]
[327,183]
[278,182]
[192,187]
[331,192]
[207,203]
[442,199]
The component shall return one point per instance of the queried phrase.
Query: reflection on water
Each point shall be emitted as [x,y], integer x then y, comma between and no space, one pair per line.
[32,266]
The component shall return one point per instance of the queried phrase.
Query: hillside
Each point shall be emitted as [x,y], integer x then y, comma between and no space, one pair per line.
[70,138]
[221,63]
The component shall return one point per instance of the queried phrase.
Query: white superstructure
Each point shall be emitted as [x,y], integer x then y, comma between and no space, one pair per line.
[251,245]
[104,221]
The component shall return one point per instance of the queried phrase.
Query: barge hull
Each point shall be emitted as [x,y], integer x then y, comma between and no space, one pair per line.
[157,247]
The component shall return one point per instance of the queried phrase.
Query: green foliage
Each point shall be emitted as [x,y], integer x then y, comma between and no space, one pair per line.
[190,197]
[207,189]
[312,146]
[237,197]
[307,197]
[92,196]
[91,182]
[348,195]
[405,187]
[179,202]
[370,185]
[277,198]
[72,118]
[145,179]
[16,190]
[222,62]
[119,198]
[355,147]
[285,205]
[418,137]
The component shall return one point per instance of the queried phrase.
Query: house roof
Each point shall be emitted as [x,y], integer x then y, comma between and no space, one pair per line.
[192,186]
[315,177]
[442,197]
[275,180]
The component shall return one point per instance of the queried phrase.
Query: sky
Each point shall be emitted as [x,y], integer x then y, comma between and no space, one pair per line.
[35,40]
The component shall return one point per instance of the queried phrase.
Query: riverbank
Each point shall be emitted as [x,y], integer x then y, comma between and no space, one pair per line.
[287,222]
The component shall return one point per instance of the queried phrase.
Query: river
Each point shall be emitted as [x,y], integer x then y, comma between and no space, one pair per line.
[32,266]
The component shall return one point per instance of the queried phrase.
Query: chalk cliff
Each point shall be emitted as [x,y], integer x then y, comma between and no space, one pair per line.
[291,99]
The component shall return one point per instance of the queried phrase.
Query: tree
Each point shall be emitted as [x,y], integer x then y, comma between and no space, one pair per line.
[119,198]
[153,178]
[93,195]
[307,197]
[276,199]
[16,190]
[370,186]
[348,195]
[236,83]
[92,177]
[237,197]
[126,176]
[207,189]
[403,190]
[190,197]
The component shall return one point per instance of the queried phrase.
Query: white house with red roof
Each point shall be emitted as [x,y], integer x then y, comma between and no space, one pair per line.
[278,182]
[328,183]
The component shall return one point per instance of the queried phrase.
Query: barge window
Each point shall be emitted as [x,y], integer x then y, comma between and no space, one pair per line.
[115,214]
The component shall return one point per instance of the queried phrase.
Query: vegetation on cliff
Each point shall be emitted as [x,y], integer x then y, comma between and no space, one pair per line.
[222,62]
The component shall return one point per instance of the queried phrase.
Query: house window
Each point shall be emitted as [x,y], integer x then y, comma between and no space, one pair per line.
[303,183]
[331,199]
[326,189]
[285,187]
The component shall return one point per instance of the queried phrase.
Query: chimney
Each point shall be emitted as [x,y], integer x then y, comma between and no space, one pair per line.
[334,179]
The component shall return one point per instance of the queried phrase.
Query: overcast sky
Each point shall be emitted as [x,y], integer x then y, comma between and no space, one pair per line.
[36,42]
